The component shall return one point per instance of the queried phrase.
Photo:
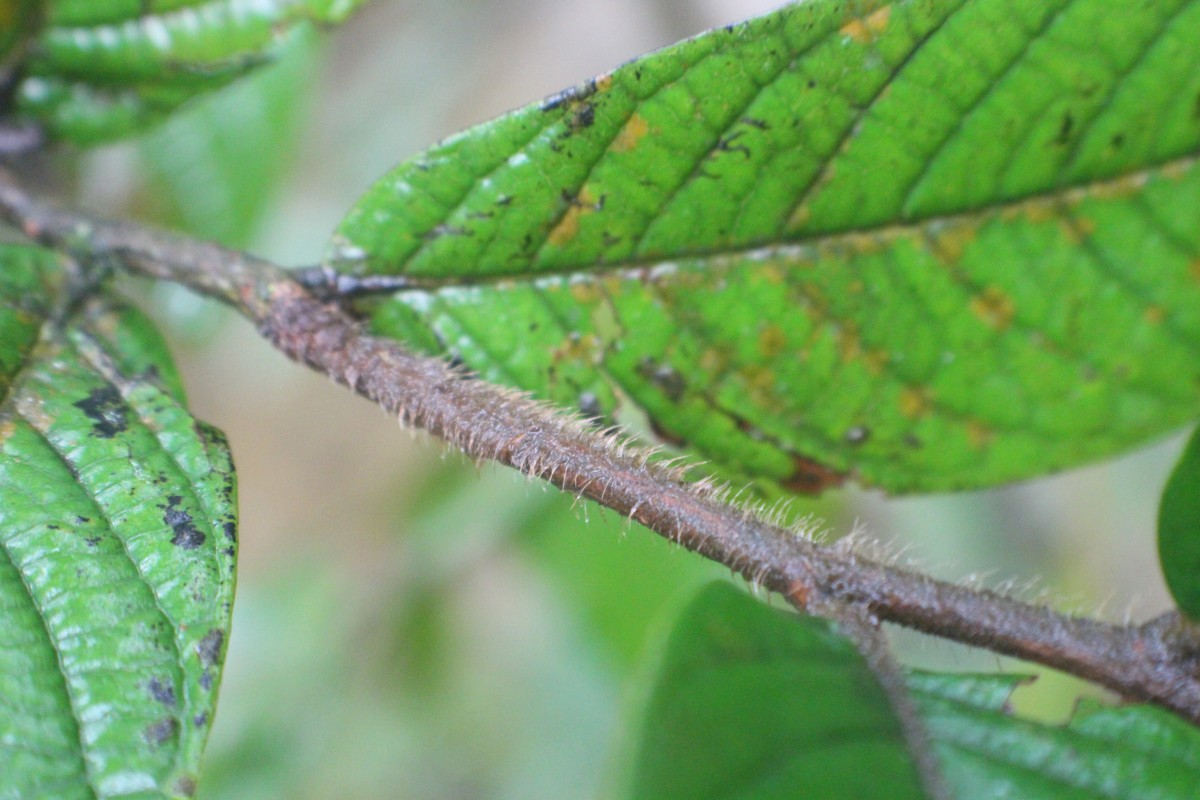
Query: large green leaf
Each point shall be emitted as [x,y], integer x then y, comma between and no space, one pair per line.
[105,68]
[1130,753]
[753,702]
[117,549]
[750,702]
[928,244]
[1179,530]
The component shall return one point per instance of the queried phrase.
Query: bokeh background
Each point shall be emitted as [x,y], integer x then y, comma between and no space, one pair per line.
[411,625]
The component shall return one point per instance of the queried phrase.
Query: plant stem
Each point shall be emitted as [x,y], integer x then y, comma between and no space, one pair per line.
[1158,662]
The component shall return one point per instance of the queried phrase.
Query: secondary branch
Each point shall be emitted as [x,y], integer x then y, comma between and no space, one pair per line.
[1157,662]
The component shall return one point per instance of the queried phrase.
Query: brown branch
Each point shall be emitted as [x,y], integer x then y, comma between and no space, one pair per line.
[1158,662]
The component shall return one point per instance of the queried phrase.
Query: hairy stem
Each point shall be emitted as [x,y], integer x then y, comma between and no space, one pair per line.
[1158,662]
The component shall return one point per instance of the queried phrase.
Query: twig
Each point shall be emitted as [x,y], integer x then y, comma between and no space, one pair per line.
[1158,662]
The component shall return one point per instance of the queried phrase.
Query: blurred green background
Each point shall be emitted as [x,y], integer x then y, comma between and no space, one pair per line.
[413,626]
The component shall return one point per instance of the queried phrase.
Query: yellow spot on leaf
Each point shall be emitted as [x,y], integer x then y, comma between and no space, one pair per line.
[876,361]
[771,274]
[634,131]
[7,429]
[979,435]
[915,402]
[848,344]
[1155,315]
[1034,211]
[950,243]
[713,361]
[585,292]
[994,307]
[1076,229]
[772,341]
[604,82]
[759,379]
[1194,268]
[577,348]
[866,30]
[568,227]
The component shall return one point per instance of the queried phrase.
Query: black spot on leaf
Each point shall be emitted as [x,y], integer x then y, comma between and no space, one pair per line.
[161,732]
[106,410]
[162,691]
[209,648]
[186,535]
[584,117]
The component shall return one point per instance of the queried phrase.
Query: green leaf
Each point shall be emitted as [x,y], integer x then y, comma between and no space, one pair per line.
[1179,530]
[117,549]
[217,164]
[19,22]
[928,244]
[1130,752]
[106,68]
[751,702]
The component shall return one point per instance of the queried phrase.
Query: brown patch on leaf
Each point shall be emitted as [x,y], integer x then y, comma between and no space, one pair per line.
[568,227]
[915,402]
[979,435]
[771,341]
[811,477]
[994,307]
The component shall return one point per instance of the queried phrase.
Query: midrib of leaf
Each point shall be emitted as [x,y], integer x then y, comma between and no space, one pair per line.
[803,250]
[901,218]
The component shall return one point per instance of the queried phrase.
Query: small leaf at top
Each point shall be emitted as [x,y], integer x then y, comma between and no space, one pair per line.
[750,702]
[102,69]
[926,244]
[1179,530]
[117,549]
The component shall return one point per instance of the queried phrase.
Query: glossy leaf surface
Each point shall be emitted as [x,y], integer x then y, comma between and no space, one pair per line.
[117,550]
[928,244]
[751,702]
[1179,530]
[102,69]
[1130,752]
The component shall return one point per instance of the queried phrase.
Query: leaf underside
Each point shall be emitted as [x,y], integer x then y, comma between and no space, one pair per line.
[1128,752]
[754,702]
[102,69]
[929,244]
[117,549]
